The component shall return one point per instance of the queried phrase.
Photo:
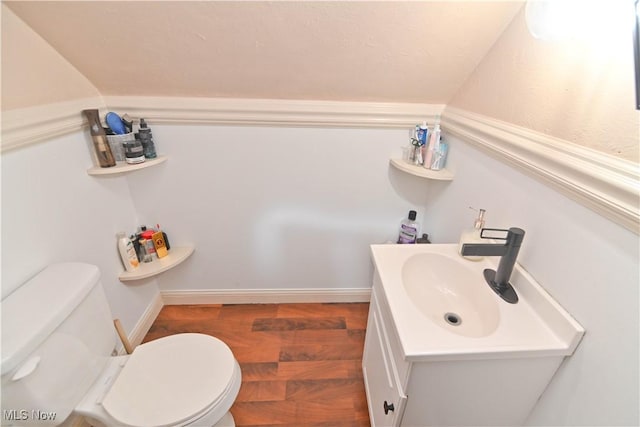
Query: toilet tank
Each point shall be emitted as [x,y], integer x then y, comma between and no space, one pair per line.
[57,335]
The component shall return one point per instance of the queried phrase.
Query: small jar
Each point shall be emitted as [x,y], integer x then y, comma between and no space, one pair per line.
[133,152]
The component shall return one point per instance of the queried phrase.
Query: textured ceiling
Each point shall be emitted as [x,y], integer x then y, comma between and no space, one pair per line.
[342,50]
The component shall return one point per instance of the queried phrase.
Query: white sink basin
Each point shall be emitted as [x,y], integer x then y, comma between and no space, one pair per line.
[450,294]
[444,310]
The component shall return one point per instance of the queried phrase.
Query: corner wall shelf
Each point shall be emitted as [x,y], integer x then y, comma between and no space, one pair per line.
[125,167]
[441,175]
[149,269]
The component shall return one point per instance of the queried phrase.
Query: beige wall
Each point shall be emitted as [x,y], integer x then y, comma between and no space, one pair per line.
[581,92]
[402,51]
[576,92]
[33,73]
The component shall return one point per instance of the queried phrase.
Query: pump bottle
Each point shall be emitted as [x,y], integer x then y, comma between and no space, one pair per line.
[146,139]
[473,236]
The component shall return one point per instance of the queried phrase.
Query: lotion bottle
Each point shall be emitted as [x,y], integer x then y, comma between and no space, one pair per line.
[127,252]
[473,236]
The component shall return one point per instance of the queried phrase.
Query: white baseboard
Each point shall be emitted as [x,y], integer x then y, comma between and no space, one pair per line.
[258,296]
[139,331]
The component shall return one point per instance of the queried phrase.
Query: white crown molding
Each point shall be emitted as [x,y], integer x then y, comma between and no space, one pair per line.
[262,296]
[608,185]
[274,112]
[25,126]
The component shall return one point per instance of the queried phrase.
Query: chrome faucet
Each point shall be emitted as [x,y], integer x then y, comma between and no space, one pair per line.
[498,279]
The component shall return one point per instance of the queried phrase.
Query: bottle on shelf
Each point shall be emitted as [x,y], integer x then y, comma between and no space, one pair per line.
[164,236]
[409,229]
[434,143]
[159,245]
[101,146]
[146,138]
[127,252]
[440,156]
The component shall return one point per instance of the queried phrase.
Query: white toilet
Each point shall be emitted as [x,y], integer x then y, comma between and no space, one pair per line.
[57,344]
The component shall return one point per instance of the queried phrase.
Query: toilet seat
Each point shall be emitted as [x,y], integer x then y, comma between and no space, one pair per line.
[172,381]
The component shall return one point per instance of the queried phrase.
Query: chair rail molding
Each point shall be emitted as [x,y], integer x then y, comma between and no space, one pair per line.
[606,184]
[25,126]
[274,112]
[30,125]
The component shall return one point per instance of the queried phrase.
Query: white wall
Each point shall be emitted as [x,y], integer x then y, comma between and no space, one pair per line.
[587,263]
[270,208]
[52,211]
[289,208]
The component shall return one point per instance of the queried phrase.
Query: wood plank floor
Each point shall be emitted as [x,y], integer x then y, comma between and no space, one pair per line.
[301,363]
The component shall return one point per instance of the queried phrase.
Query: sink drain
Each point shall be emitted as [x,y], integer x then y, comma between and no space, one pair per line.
[453,319]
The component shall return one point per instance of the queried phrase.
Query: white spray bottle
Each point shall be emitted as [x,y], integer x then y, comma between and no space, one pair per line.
[434,142]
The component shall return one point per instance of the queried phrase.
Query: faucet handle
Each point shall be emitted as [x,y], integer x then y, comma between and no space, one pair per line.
[492,236]
[514,235]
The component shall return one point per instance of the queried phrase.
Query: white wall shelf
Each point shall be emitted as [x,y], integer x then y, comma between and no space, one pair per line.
[441,175]
[125,167]
[149,269]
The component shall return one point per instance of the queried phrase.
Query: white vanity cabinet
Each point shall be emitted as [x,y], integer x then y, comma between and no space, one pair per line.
[422,369]
[414,378]
[384,388]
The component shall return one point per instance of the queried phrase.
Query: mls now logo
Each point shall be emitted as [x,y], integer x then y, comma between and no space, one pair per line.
[15,415]
[23,415]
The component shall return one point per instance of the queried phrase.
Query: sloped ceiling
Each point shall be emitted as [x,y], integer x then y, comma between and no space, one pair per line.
[339,50]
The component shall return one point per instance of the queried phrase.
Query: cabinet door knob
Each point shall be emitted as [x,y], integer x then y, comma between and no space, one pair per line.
[388,407]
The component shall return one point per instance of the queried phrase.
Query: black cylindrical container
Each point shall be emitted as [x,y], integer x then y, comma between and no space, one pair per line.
[133,151]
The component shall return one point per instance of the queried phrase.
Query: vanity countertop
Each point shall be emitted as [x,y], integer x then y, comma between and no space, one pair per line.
[536,326]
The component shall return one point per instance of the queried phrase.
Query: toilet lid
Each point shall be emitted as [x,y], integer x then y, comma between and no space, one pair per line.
[170,380]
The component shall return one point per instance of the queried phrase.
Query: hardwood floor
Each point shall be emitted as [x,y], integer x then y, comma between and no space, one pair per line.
[301,363]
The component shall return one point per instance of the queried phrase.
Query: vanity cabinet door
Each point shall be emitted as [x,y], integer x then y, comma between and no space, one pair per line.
[384,395]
